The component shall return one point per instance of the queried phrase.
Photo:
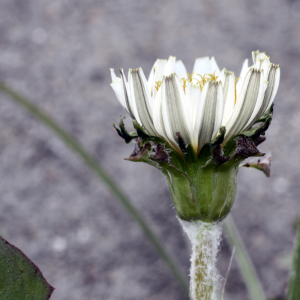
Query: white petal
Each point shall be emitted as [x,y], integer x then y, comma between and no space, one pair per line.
[118,89]
[180,69]
[228,84]
[251,93]
[157,68]
[275,86]
[241,79]
[219,109]
[151,78]
[158,75]
[160,66]
[245,68]
[262,62]
[209,114]
[214,67]
[129,96]
[113,75]
[222,76]
[170,66]
[143,99]
[202,66]
[193,99]
[176,116]
[259,101]
[158,116]
[198,124]
[271,91]
[256,55]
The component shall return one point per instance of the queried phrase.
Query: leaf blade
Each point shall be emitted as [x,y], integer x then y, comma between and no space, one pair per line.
[20,278]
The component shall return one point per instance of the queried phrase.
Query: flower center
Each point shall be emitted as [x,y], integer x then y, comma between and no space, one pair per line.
[199,81]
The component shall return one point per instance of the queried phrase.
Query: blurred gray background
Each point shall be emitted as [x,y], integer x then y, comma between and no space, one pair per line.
[58,53]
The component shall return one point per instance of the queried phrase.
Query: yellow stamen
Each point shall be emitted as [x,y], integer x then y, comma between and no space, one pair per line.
[184,83]
[201,82]
[190,76]
[158,84]
[213,76]
[206,77]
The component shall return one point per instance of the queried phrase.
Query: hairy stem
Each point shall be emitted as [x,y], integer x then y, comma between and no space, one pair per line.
[205,239]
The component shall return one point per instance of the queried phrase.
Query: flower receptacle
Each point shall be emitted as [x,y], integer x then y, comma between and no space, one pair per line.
[208,198]
[203,186]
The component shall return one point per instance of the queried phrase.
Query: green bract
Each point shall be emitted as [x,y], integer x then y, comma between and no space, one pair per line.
[202,187]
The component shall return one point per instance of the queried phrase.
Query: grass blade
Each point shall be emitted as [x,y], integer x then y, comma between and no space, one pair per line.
[94,165]
[294,283]
[244,261]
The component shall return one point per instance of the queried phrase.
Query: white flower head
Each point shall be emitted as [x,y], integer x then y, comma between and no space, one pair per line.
[196,105]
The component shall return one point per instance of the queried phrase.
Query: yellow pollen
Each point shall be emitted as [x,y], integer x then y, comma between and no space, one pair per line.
[158,84]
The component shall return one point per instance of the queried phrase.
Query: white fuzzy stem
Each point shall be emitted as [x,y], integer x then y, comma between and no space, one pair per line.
[205,239]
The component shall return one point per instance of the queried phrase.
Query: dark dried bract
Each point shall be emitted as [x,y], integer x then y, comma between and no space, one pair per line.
[246,147]
[160,156]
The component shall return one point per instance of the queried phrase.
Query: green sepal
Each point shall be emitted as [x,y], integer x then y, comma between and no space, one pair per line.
[187,150]
[243,145]
[141,132]
[123,133]
[264,117]
[182,145]
[141,153]
[239,148]
[162,158]
[211,153]
[256,132]
[143,136]
[155,155]
[191,157]
[215,187]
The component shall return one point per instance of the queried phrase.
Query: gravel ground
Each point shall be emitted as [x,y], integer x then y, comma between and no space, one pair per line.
[59,53]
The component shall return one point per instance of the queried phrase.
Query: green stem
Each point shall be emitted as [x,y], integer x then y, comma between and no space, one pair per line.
[94,165]
[294,283]
[244,261]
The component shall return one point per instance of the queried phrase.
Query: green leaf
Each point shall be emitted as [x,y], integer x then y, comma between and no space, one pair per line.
[294,283]
[20,278]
